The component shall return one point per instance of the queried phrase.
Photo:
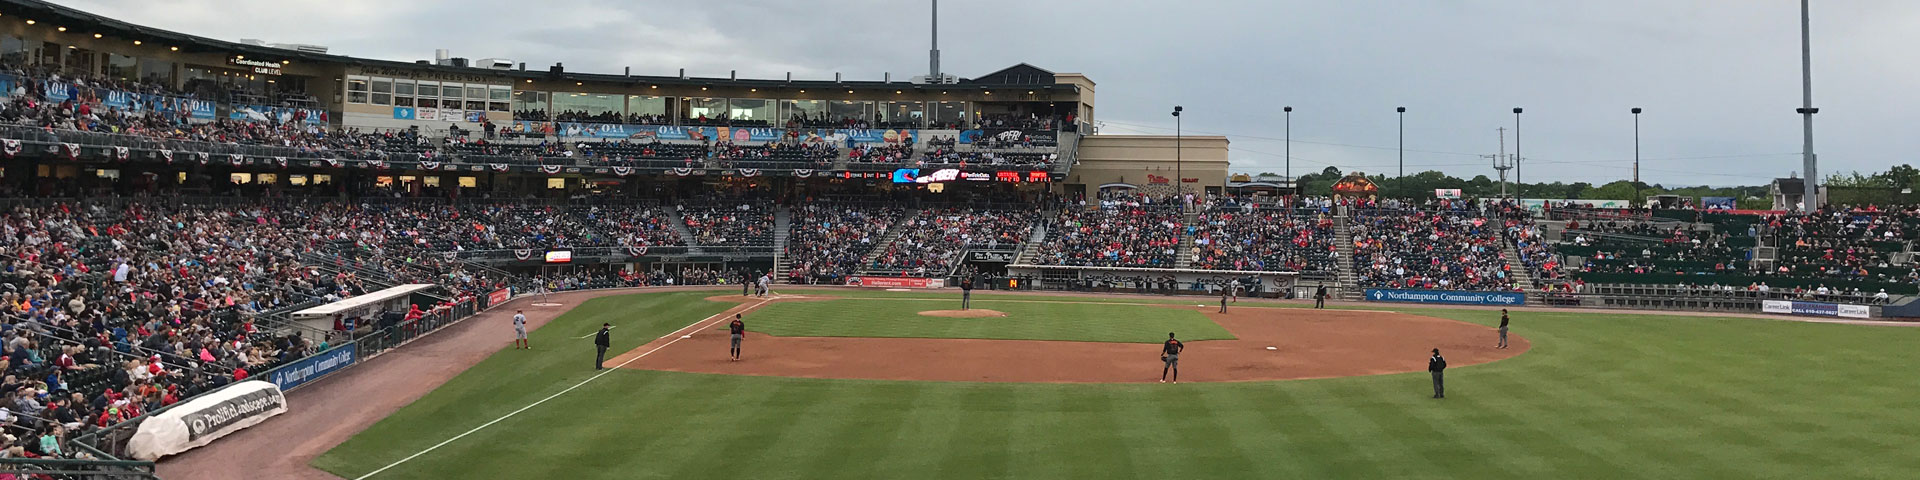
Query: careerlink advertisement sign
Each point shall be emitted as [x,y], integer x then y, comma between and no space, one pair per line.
[647,133]
[1447,296]
[1815,309]
[303,371]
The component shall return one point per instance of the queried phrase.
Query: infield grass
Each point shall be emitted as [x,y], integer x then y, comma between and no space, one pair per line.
[1600,395]
[1025,320]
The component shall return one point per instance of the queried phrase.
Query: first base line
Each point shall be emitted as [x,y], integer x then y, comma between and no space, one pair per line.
[670,341]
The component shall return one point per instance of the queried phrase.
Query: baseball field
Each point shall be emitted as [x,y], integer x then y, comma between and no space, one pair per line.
[870,384]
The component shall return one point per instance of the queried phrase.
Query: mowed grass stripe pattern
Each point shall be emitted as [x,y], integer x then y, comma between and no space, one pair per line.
[1600,396]
[896,318]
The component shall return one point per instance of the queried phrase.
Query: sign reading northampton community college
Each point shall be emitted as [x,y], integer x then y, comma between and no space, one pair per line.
[314,367]
[1447,296]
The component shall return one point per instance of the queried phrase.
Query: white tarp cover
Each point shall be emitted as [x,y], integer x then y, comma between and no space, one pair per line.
[202,420]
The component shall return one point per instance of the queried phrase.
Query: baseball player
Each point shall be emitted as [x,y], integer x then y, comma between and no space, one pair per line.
[1170,356]
[738,330]
[520,330]
[966,293]
[1503,328]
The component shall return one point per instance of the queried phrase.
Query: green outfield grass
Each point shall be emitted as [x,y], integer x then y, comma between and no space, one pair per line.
[1601,395]
[1026,319]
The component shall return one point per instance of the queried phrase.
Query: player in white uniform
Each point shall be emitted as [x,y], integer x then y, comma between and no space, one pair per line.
[520,330]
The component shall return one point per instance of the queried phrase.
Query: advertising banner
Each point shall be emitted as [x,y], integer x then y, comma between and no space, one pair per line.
[499,296]
[202,420]
[895,282]
[1041,136]
[1717,203]
[1446,296]
[1446,193]
[990,256]
[644,133]
[261,113]
[1789,307]
[313,367]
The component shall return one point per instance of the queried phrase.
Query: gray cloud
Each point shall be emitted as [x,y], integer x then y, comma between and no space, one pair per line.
[1719,78]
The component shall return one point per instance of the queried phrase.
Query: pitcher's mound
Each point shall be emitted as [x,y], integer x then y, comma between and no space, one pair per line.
[974,313]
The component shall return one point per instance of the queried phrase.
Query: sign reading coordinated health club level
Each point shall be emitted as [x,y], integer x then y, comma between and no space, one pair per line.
[1447,296]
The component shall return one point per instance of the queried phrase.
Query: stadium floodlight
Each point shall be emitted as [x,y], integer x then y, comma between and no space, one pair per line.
[1288,153]
[1401,179]
[1517,186]
[1636,155]
[1179,172]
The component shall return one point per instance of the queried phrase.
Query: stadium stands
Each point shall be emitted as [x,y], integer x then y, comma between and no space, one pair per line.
[1265,240]
[827,241]
[1119,235]
[931,242]
[1451,249]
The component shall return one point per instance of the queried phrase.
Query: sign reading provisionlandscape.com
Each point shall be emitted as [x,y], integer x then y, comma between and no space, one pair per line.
[1446,296]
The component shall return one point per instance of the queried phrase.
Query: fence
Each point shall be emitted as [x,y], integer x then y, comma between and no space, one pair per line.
[77,469]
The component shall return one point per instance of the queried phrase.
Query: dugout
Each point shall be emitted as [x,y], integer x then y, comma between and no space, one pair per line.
[363,309]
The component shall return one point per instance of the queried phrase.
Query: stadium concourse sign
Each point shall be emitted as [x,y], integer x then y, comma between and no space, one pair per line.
[1446,296]
[1815,308]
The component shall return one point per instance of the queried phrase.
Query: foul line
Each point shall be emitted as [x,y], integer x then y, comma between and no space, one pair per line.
[670,337]
[610,327]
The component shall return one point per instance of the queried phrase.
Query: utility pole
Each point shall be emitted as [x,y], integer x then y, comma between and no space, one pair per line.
[1501,162]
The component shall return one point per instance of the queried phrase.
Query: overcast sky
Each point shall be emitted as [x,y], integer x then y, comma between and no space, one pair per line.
[1719,79]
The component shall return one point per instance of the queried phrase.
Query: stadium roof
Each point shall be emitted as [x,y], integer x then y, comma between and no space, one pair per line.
[1017,76]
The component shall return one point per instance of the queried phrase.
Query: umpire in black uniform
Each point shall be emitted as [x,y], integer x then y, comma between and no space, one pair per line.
[600,342]
[1437,365]
[1320,297]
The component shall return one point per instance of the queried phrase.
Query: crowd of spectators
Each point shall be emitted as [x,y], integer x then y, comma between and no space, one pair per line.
[931,243]
[1268,240]
[826,242]
[1113,236]
[719,222]
[1446,249]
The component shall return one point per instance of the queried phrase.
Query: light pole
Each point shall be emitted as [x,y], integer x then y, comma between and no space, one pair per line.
[1812,194]
[1179,177]
[1636,155]
[1294,185]
[1401,180]
[1519,188]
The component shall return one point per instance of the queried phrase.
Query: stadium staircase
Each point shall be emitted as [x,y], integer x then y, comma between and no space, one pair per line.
[679,224]
[1183,254]
[1516,270]
[1349,287]
[893,233]
[1069,147]
[782,222]
[1032,245]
